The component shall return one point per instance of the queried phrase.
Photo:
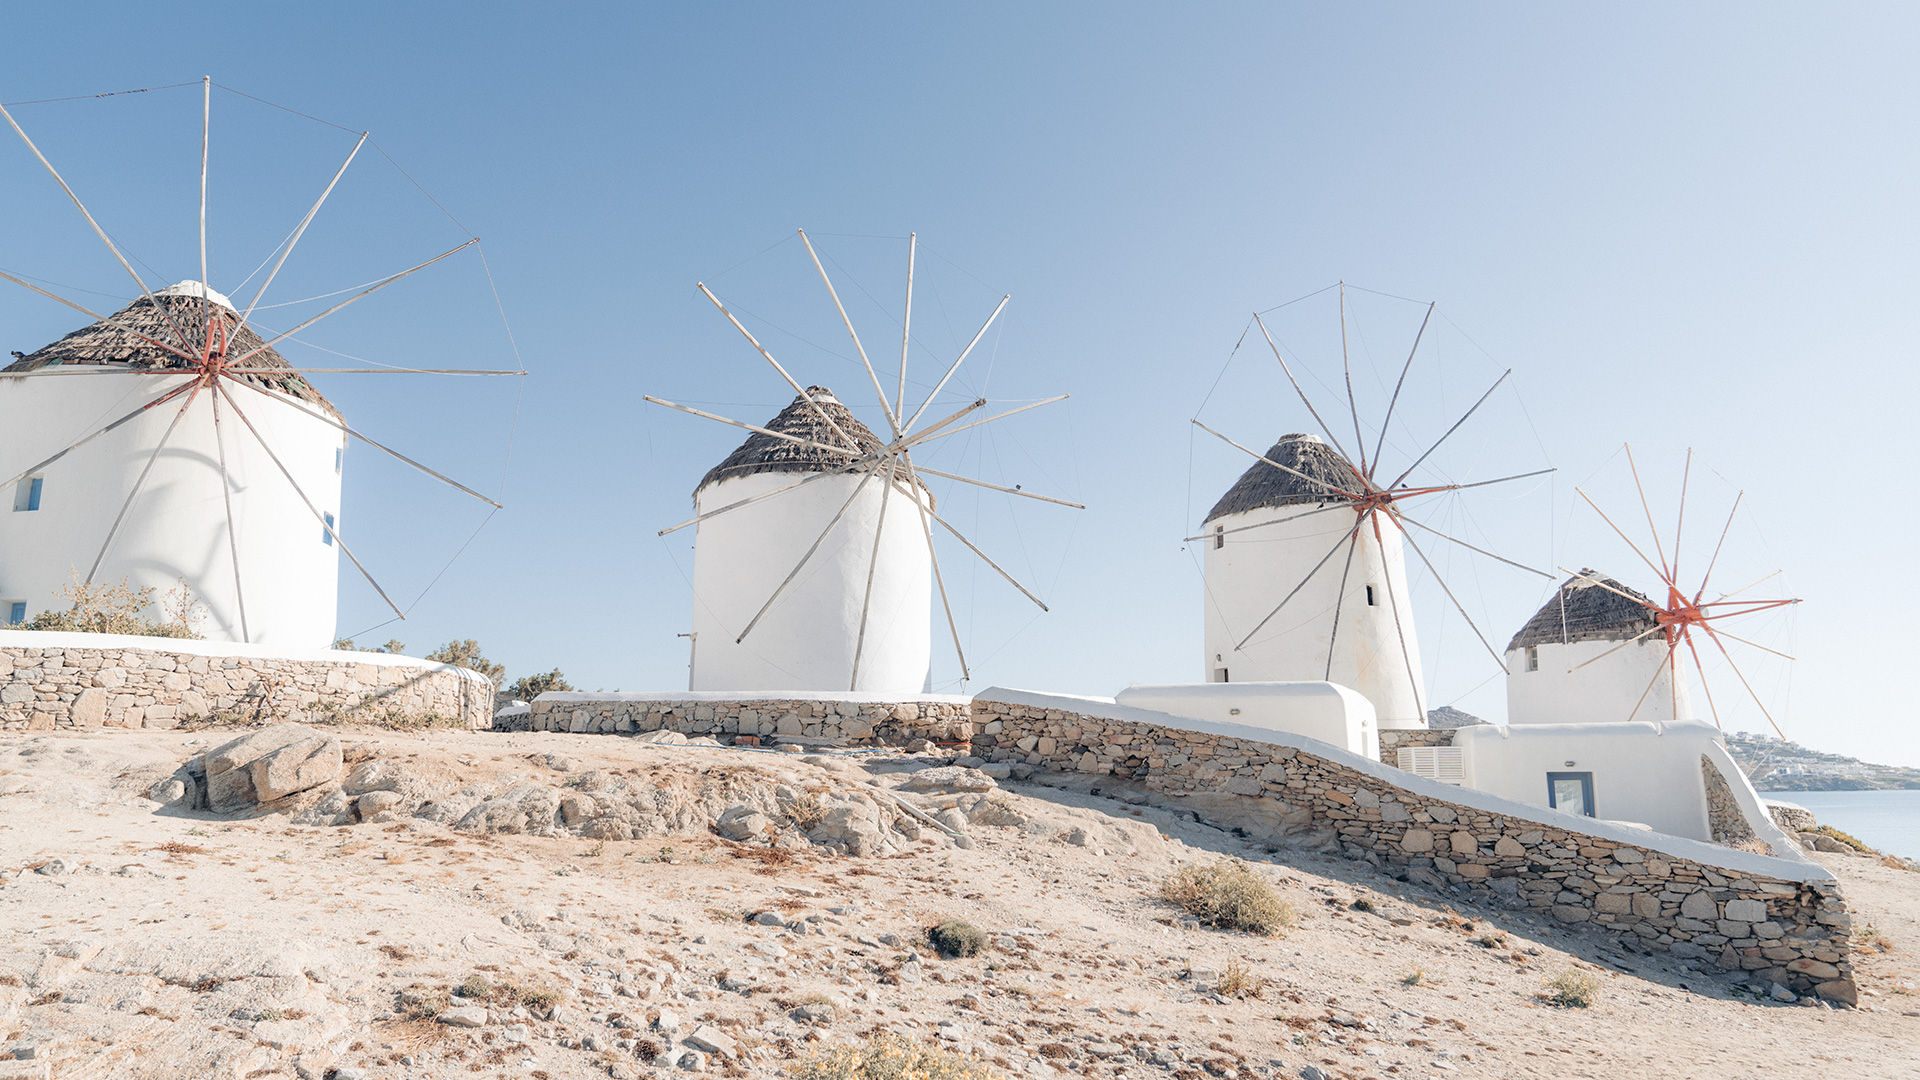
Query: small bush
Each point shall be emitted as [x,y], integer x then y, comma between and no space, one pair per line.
[1229,895]
[957,938]
[1238,981]
[890,1057]
[466,654]
[1572,989]
[116,607]
[422,1003]
[478,987]
[1416,977]
[1362,904]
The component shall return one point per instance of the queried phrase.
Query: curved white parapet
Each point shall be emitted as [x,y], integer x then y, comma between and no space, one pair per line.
[1319,710]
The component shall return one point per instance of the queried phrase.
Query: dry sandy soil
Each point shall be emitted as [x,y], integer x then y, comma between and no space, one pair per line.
[140,940]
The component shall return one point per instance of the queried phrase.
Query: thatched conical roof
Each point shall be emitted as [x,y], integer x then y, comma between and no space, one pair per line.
[765,454]
[112,342]
[1263,485]
[1583,611]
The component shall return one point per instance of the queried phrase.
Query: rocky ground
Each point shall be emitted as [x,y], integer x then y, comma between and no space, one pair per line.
[446,904]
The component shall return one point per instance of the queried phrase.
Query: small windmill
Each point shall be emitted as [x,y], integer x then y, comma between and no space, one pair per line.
[818,438]
[1686,613]
[1344,633]
[188,346]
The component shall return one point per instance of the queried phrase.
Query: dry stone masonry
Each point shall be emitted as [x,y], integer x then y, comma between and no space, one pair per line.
[1724,820]
[47,682]
[1796,933]
[1391,742]
[939,720]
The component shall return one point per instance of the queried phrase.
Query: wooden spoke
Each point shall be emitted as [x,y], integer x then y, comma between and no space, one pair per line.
[301,230]
[906,329]
[96,317]
[1666,574]
[1723,632]
[179,335]
[1346,370]
[971,546]
[1651,683]
[206,134]
[1402,381]
[1296,387]
[226,498]
[1262,457]
[1340,602]
[1654,629]
[1704,688]
[1406,654]
[1715,561]
[998,487]
[1475,484]
[1680,523]
[858,463]
[824,447]
[71,447]
[1263,524]
[928,432]
[1331,552]
[1456,427]
[812,548]
[1601,584]
[818,409]
[1457,605]
[312,509]
[964,353]
[1763,579]
[241,361]
[141,481]
[376,444]
[928,436]
[1623,536]
[926,532]
[1470,547]
[873,564]
[1715,636]
[893,418]
[369,371]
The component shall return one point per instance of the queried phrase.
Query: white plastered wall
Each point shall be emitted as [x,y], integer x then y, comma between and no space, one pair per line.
[1642,772]
[1248,573]
[1604,691]
[176,528]
[1318,710]
[807,639]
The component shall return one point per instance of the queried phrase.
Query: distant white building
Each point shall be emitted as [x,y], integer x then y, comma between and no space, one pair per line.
[55,521]
[1350,624]
[806,639]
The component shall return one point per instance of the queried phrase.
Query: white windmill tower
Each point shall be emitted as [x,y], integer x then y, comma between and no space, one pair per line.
[225,472]
[1276,607]
[1591,648]
[814,542]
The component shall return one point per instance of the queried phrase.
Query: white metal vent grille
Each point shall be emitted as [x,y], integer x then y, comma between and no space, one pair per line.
[1442,763]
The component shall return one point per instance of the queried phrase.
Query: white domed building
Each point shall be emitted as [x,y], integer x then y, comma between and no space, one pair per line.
[1570,663]
[808,637]
[266,569]
[1352,635]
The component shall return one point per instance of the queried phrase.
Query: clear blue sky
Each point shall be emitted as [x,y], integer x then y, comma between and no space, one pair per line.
[1686,226]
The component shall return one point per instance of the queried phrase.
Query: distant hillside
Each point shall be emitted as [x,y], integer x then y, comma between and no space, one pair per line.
[1446,716]
[1779,765]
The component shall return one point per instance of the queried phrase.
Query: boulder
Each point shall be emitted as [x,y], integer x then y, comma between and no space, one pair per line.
[949,778]
[376,775]
[376,805]
[268,765]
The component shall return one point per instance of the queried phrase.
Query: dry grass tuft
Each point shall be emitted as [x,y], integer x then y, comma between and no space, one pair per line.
[1572,989]
[1228,894]
[890,1057]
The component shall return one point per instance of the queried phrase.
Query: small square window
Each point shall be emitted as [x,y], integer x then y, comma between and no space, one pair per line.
[1220,674]
[1371,602]
[1571,792]
[326,534]
[339,454]
[1533,658]
[26,494]
[16,612]
[1219,537]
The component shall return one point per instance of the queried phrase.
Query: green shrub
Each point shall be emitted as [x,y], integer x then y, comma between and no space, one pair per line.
[1572,989]
[466,654]
[956,938]
[890,1057]
[528,687]
[1851,841]
[116,607]
[1228,894]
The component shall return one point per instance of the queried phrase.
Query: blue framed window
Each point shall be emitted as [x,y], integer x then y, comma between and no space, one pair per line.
[1571,792]
[326,534]
[339,455]
[26,494]
[16,613]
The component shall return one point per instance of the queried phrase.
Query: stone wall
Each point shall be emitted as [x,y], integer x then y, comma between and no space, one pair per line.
[50,680]
[1725,821]
[848,719]
[1788,926]
[1392,741]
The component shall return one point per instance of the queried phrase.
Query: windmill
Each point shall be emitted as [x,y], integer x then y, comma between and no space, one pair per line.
[1275,608]
[225,473]
[1682,616]
[815,538]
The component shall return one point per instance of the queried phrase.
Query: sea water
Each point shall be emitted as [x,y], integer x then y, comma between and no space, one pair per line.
[1888,820]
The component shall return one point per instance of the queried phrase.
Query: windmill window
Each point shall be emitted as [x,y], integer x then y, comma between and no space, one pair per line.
[1219,537]
[26,494]
[16,612]
[1220,674]
[1371,602]
[339,453]
[1533,658]
[326,534]
[1571,792]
